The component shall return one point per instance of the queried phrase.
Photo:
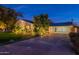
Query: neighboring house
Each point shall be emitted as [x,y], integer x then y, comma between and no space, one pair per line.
[65,28]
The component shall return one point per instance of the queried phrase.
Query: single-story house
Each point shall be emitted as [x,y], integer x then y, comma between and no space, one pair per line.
[20,25]
[65,27]
[23,25]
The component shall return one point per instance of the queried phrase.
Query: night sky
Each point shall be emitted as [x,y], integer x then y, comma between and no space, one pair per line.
[56,12]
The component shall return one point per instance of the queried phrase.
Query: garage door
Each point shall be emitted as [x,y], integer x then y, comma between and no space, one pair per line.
[62,29]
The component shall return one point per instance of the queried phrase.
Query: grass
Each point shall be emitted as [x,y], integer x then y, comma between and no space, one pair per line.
[6,37]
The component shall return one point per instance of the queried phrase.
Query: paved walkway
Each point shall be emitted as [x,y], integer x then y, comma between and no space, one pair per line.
[53,45]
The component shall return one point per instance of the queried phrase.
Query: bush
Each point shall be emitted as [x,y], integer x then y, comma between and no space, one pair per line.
[74,37]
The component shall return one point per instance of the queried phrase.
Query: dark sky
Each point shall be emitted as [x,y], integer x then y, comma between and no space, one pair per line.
[56,12]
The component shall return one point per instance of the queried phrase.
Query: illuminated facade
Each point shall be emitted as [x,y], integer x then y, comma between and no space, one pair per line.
[65,28]
[23,26]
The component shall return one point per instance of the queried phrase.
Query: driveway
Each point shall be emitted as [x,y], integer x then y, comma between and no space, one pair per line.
[49,45]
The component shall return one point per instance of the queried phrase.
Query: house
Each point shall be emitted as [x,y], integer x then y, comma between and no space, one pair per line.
[23,25]
[65,27]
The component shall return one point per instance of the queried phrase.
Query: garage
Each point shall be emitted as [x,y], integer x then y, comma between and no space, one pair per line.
[65,27]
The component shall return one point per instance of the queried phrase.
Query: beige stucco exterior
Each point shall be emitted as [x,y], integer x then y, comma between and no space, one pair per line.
[23,26]
[62,29]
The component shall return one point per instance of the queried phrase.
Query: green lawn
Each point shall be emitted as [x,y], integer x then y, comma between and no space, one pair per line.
[6,36]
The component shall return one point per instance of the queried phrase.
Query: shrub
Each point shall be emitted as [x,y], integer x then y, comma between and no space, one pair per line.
[74,37]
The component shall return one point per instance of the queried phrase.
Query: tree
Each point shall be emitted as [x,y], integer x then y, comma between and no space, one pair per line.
[8,16]
[2,26]
[41,24]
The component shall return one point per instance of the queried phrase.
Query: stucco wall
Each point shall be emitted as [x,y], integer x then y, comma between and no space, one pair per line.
[60,29]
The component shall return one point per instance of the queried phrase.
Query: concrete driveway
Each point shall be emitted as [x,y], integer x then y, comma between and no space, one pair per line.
[49,45]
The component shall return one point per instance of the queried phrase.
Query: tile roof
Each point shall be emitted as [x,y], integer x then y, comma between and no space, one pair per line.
[27,20]
[61,24]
